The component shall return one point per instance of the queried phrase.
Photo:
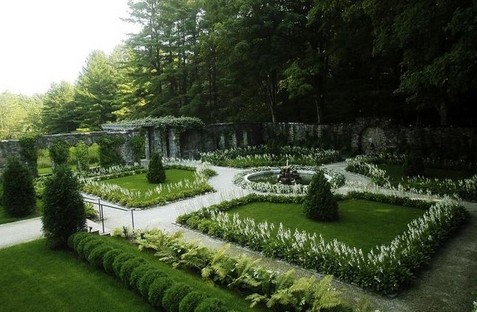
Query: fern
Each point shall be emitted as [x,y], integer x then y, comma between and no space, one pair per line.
[325,296]
[244,273]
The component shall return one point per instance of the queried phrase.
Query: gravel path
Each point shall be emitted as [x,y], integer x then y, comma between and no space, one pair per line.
[449,284]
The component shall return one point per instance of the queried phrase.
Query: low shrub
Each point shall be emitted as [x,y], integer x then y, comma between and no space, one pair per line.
[97,255]
[174,295]
[211,305]
[156,172]
[146,281]
[127,269]
[89,246]
[157,289]
[319,203]
[191,301]
[120,260]
[109,258]
[139,272]
[83,240]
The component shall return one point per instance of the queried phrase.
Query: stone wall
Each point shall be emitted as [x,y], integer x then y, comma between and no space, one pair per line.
[363,136]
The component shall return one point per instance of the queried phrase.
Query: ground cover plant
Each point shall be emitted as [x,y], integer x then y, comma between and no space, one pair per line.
[386,170]
[244,275]
[386,268]
[129,187]
[142,273]
[36,279]
[258,156]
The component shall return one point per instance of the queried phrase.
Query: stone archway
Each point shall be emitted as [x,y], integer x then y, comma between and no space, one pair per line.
[372,139]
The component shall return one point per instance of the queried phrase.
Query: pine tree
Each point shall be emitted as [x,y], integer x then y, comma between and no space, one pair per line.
[156,172]
[320,203]
[63,207]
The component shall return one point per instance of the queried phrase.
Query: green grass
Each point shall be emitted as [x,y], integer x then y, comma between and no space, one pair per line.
[36,279]
[363,224]
[396,173]
[139,182]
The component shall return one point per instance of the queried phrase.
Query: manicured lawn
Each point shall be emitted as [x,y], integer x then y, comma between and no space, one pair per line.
[34,278]
[139,182]
[363,224]
[396,173]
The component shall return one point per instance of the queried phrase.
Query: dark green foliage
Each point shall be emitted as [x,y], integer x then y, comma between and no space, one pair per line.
[174,295]
[319,203]
[96,255]
[146,281]
[81,156]
[63,207]
[119,261]
[59,152]
[156,172]
[137,144]
[211,305]
[109,153]
[81,244]
[109,258]
[413,164]
[29,153]
[127,269]
[139,272]
[90,246]
[18,192]
[191,301]
[157,289]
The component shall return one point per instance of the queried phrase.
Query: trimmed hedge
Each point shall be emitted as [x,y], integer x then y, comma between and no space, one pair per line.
[211,305]
[149,281]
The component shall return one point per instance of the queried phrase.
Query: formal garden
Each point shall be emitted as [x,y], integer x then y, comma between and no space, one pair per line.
[303,206]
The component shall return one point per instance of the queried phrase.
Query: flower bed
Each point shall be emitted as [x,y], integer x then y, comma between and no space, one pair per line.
[385,269]
[258,156]
[464,188]
[160,195]
[336,180]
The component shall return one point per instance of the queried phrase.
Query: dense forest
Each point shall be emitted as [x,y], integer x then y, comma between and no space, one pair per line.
[311,61]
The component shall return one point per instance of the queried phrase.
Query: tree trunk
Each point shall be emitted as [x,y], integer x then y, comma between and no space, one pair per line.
[271,85]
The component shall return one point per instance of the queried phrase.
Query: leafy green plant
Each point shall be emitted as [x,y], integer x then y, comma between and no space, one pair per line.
[81,157]
[137,144]
[156,172]
[97,254]
[190,302]
[109,153]
[63,207]
[211,305]
[127,269]
[18,196]
[59,152]
[413,164]
[174,295]
[319,203]
[157,289]
[109,258]
[29,153]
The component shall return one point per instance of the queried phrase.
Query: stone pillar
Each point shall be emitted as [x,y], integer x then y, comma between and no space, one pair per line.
[233,140]
[174,144]
[222,141]
[245,138]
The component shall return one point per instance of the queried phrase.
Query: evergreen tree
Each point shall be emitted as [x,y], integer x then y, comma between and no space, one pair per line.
[320,203]
[156,172]
[63,207]
[59,152]
[18,192]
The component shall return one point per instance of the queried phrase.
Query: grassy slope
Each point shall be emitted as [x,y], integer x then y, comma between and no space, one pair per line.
[362,224]
[36,279]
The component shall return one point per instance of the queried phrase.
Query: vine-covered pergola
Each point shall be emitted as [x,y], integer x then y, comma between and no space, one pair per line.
[161,134]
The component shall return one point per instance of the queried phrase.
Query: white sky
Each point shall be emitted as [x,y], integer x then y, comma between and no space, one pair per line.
[45,41]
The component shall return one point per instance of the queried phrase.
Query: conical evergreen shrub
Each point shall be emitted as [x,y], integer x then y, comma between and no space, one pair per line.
[18,191]
[319,203]
[156,172]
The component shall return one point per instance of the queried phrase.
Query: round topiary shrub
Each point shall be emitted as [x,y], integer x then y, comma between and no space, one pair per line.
[119,262]
[127,269]
[191,301]
[75,238]
[211,305]
[147,279]
[79,246]
[18,191]
[137,273]
[89,246]
[63,207]
[109,258]
[319,203]
[174,295]
[156,172]
[97,255]
[157,289]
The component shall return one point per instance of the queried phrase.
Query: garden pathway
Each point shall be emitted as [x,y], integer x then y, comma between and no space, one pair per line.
[448,285]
